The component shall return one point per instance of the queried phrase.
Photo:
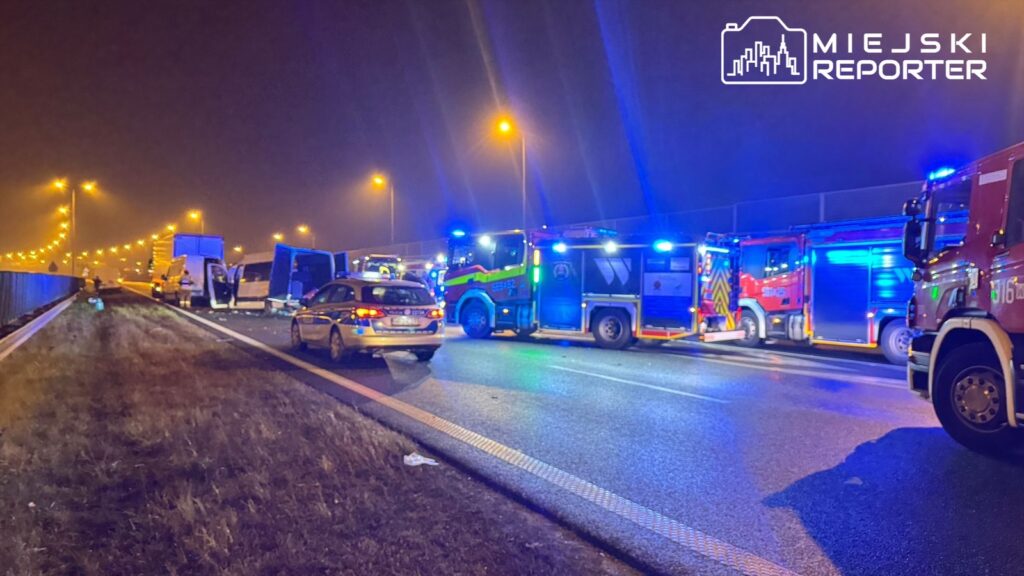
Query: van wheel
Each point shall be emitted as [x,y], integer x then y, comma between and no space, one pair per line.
[474,320]
[748,323]
[296,339]
[970,399]
[336,347]
[896,341]
[611,329]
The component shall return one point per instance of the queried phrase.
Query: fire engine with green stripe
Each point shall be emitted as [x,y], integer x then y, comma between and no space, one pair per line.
[968,301]
[589,281]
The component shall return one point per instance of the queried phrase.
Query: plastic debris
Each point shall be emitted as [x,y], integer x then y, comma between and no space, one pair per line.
[97,303]
[415,459]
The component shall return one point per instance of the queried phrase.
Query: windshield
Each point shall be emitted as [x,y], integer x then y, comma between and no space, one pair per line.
[945,206]
[397,295]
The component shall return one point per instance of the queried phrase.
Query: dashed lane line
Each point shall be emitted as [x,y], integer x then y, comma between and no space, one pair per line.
[687,537]
[639,384]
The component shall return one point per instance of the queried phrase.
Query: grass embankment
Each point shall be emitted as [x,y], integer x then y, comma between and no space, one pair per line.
[133,442]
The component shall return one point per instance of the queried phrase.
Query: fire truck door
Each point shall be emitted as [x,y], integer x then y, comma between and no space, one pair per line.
[559,292]
[668,297]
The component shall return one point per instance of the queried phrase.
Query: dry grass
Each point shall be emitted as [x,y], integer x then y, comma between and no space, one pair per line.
[132,442]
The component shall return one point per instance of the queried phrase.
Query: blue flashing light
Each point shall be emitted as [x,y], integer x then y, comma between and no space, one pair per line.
[560,247]
[458,233]
[941,173]
[703,249]
[662,246]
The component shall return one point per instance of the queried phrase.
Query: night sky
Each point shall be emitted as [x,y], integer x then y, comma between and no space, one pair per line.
[268,114]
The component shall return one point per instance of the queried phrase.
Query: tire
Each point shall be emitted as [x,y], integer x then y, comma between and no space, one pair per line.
[748,323]
[896,341]
[425,355]
[969,399]
[612,330]
[525,333]
[474,320]
[336,347]
[296,343]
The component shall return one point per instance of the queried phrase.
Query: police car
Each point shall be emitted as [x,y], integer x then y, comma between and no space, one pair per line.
[372,315]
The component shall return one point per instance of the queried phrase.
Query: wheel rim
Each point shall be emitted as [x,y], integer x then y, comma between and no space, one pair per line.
[610,328]
[476,320]
[977,398]
[900,341]
[335,345]
[749,328]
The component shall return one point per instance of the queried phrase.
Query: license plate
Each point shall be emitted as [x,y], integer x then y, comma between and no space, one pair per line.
[404,321]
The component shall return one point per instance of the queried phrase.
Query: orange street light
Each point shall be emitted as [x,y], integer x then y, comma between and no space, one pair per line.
[505,128]
[381,182]
[197,216]
[277,236]
[304,230]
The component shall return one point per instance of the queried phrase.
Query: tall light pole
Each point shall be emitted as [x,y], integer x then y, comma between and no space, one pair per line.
[62,185]
[197,216]
[380,182]
[506,128]
[305,230]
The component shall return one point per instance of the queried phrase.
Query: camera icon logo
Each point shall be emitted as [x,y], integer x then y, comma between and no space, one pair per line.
[764,51]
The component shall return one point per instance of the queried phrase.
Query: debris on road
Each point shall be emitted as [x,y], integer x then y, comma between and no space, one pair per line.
[416,459]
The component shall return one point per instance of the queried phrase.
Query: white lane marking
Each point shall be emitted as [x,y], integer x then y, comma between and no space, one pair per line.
[15,339]
[853,379]
[805,359]
[687,537]
[640,384]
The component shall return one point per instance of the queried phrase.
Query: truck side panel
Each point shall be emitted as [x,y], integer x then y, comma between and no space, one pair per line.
[840,292]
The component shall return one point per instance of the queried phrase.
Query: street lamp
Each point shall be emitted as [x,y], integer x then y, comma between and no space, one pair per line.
[304,230]
[61,185]
[197,216]
[506,127]
[278,237]
[381,182]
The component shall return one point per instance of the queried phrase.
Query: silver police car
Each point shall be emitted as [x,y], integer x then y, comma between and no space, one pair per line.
[369,315]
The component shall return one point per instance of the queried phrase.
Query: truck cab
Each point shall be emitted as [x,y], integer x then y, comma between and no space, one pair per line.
[968,300]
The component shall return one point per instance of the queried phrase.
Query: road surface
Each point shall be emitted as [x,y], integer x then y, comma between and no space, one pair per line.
[817,464]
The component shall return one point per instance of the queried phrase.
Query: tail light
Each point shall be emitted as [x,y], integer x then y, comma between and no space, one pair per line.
[369,313]
[436,313]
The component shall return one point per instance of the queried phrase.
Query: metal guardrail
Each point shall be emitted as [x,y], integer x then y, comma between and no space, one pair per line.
[23,292]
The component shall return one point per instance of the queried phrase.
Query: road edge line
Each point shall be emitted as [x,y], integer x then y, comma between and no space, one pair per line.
[15,339]
[689,538]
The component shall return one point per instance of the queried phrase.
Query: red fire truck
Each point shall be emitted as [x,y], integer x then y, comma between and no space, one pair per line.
[590,282]
[840,284]
[968,301]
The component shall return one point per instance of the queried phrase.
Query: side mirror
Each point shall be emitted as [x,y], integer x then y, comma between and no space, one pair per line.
[912,207]
[911,241]
[999,238]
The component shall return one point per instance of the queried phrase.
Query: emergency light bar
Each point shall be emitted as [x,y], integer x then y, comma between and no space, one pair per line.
[940,173]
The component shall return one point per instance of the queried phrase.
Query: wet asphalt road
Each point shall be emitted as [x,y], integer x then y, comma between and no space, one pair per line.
[821,463]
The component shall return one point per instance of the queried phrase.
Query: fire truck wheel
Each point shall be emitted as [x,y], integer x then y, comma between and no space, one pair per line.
[896,341]
[969,399]
[474,320]
[748,323]
[611,329]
